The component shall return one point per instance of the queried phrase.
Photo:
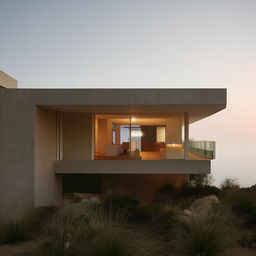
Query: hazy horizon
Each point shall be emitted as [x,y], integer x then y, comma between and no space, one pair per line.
[145,44]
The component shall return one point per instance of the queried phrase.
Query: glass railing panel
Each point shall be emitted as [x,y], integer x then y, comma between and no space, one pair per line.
[203,148]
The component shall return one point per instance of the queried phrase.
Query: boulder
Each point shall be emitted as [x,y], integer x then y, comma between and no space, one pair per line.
[203,206]
[94,200]
[200,208]
[85,200]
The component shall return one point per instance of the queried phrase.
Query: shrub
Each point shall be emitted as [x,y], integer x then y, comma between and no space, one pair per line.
[168,194]
[207,237]
[201,180]
[113,240]
[248,240]
[229,184]
[243,205]
[115,203]
[23,228]
[186,193]
[93,234]
[62,234]
[198,191]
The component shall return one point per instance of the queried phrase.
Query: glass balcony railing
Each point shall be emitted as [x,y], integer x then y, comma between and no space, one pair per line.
[203,148]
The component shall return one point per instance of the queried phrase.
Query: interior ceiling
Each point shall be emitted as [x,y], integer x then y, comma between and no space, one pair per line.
[196,112]
[140,121]
[148,119]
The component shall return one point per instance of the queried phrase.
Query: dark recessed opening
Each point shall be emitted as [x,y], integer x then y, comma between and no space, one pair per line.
[82,183]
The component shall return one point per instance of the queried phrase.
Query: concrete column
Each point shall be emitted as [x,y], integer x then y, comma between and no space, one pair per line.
[78,139]
[173,130]
[118,133]
[48,187]
[186,135]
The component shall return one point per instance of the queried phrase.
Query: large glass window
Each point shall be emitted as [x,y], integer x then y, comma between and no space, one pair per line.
[141,136]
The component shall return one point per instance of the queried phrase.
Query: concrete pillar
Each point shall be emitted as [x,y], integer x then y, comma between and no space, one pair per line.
[78,139]
[186,135]
[48,187]
[173,130]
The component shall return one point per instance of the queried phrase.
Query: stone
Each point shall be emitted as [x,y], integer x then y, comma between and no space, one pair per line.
[203,206]
[94,200]
[85,200]
[199,209]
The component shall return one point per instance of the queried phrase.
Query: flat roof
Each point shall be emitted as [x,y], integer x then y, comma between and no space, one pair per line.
[200,103]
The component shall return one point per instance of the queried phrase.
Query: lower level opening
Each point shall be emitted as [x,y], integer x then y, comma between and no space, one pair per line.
[81,183]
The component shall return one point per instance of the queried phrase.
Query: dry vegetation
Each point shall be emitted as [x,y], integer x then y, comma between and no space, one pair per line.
[122,225]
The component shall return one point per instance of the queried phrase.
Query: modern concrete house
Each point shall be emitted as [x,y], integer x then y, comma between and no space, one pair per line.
[59,141]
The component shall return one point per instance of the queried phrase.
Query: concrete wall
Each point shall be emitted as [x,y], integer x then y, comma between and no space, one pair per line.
[143,186]
[78,136]
[169,166]
[7,81]
[173,130]
[134,97]
[16,150]
[47,185]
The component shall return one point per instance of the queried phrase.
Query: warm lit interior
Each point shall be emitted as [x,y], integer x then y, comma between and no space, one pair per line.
[145,137]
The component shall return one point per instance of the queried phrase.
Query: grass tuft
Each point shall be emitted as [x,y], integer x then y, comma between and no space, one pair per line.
[206,237]
[23,228]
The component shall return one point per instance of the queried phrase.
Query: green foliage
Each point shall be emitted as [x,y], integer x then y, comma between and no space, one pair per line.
[23,228]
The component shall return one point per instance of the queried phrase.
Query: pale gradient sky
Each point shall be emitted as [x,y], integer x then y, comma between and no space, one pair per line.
[145,44]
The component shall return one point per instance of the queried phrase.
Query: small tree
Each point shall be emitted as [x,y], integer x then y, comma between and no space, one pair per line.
[197,180]
[230,183]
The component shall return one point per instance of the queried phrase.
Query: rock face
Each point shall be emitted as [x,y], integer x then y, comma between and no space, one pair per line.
[200,208]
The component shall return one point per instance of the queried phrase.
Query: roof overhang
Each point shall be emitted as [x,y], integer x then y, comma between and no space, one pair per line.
[200,103]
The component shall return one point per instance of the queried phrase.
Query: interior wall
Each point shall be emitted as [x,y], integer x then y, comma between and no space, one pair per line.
[149,134]
[149,138]
[174,129]
[143,186]
[160,134]
[47,185]
[118,133]
[104,134]
[96,135]
[78,136]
